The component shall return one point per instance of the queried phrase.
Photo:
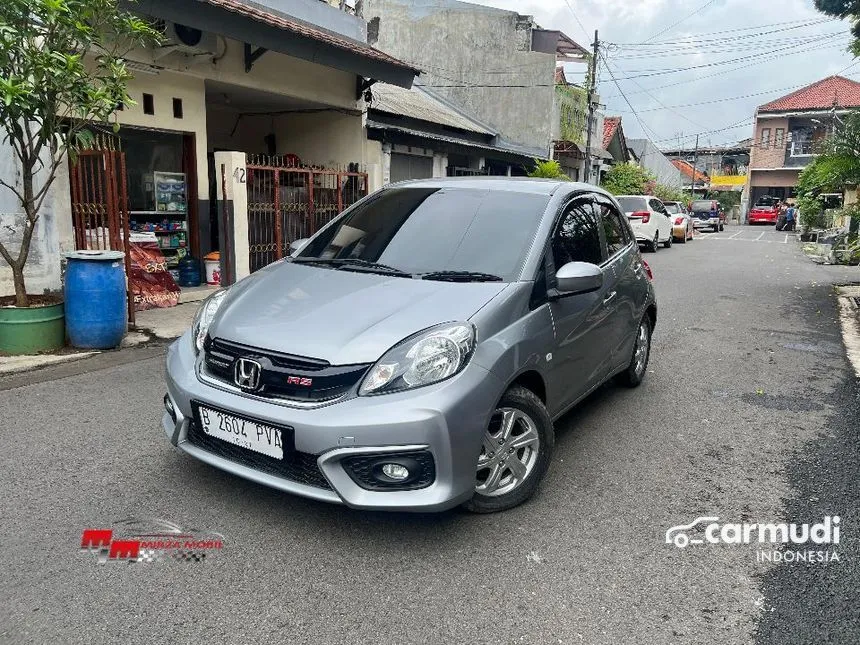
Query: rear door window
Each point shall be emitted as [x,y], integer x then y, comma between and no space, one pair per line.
[615,228]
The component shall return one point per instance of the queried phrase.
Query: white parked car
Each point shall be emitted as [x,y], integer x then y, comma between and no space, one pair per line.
[649,219]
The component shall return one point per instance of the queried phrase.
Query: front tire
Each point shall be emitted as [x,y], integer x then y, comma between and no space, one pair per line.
[636,370]
[516,451]
[655,243]
[668,243]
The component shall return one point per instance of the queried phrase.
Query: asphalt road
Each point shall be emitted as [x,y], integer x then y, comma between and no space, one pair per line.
[744,416]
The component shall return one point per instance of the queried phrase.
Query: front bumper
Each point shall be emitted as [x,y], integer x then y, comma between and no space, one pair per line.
[446,419]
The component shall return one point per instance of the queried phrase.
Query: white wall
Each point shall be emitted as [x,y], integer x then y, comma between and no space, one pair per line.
[164,87]
[53,235]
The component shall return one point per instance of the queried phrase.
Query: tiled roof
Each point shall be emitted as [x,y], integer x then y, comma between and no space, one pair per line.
[418,104]
[610,125]
[275,19]
[818,96]
[687,169]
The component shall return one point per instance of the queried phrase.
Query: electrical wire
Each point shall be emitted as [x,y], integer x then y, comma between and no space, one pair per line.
[675,24]
[709,36]
[663,72]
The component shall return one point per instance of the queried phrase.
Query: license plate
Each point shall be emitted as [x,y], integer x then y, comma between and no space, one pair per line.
[251,435]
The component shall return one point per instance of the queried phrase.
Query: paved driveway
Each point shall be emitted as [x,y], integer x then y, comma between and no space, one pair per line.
[746,386]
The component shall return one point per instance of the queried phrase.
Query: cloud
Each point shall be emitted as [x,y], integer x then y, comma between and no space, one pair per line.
[634,21]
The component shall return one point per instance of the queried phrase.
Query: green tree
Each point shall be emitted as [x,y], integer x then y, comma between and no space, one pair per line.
[627,179]
[548,170]
[61,69]
[844,9]
[668,193]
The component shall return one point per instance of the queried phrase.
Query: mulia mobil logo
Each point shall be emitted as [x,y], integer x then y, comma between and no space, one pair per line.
[710,530]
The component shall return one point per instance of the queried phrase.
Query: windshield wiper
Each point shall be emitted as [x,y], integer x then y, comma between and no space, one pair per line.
[461,276]
[355,264]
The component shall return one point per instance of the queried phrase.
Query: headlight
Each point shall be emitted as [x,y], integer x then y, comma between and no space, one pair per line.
[428,357]
[204,317]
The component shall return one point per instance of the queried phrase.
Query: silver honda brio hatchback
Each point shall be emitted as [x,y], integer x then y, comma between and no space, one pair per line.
[414,353]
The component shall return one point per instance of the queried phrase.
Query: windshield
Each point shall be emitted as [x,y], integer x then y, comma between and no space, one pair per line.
[632,204]
[766,201]
[672,208]
[426,230]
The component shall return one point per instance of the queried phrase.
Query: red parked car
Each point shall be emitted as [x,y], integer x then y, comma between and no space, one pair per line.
[765,210]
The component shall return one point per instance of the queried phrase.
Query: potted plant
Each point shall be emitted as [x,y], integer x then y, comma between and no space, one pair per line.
[61,70]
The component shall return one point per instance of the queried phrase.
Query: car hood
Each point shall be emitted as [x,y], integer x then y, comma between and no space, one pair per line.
[340,316]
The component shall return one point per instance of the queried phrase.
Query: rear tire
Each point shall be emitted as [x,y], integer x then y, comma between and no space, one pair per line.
[722,227]
[683,240]
[638,367]
[533,421]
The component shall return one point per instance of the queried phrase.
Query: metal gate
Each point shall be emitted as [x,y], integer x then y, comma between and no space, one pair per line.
[286,203]
[100,204]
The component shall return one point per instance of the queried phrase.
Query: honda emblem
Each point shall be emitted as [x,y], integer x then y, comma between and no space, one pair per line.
[247,374]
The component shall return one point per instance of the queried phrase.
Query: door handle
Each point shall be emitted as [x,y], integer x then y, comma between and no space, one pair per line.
[608,298]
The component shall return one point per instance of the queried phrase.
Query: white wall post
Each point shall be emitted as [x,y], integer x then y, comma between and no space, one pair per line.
[386,164]
[235,247]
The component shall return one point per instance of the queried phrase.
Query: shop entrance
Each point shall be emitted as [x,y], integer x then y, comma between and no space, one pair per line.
[136,192]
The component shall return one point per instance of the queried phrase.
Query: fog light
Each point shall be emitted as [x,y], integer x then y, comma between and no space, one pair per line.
[395,471]
[168,405]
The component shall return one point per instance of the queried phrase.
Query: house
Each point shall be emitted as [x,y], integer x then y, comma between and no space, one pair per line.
[495,65]
[691,175]
[788,130]
[284,82]
[649,157]
[614,142]
[714,161]
[422,135]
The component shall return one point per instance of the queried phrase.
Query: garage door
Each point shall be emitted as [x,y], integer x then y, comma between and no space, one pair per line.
[410,167]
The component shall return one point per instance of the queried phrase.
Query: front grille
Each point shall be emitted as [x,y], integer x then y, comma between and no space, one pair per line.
[361,469]
[284,376]
[300,467]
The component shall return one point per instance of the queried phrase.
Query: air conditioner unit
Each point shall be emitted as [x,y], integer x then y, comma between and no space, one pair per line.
[185,40]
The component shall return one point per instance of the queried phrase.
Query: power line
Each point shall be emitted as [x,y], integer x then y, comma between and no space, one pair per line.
[702,78]
[645,129]
[689,49]
[709,36]
[663,72]
[578,21]
[675,24]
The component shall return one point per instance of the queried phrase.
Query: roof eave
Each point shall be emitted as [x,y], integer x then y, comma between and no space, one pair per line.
[202,15]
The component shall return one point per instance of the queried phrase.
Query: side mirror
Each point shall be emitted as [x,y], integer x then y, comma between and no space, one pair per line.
[297,245]
[579,277]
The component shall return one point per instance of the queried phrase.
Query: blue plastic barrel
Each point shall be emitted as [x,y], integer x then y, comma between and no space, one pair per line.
[189,272]
[96,305]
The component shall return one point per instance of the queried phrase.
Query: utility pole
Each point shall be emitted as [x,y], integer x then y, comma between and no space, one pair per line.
[695,161]
[592,85]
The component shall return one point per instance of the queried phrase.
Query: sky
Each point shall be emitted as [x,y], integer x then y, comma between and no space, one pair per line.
[707,32]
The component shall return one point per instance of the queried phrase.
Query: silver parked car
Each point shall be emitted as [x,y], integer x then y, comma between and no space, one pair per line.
[414,353]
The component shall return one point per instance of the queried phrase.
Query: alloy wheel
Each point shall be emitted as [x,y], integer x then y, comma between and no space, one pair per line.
[509,452]
[642,346]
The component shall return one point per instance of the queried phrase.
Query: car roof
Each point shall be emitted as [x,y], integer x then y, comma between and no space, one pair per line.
[514,184]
